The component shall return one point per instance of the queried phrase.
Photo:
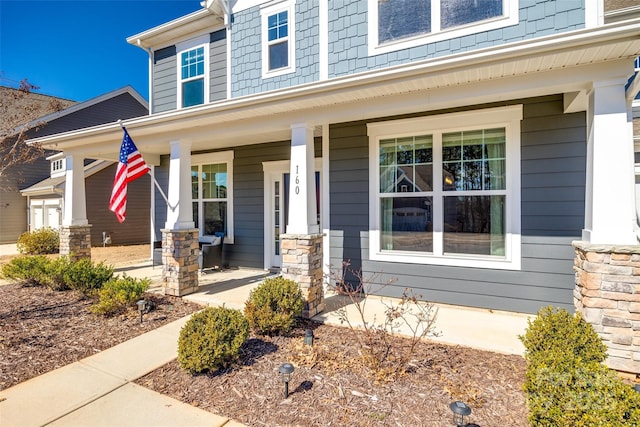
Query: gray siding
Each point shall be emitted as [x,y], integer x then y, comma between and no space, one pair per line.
[165,82]
[162,178]
[135,228]
[218,66]
[348,41]
[246,52]
[553,175]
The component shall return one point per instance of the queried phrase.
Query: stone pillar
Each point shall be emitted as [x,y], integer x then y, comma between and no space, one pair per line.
[607,294]
[75,241]
[180,261]
[302,263]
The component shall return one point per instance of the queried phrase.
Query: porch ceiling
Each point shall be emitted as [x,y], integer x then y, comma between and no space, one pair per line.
[554,64]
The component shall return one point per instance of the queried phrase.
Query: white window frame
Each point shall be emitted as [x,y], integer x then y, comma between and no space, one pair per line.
[506,117]
[271,9]
[212,158]
[510,17]
[58,167]
[186,46]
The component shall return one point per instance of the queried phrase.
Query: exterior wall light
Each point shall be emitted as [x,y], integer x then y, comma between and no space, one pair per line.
[460,410]
[286,370]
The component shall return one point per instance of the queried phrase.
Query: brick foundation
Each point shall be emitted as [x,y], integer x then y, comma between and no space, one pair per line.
[180,261]
[607,293]
[75,241]
[302,263]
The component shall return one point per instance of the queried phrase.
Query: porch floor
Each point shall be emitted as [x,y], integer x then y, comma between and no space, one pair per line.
[484,329]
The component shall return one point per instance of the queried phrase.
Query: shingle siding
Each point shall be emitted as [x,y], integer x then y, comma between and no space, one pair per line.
[348,34]
[553,176]
[246,53]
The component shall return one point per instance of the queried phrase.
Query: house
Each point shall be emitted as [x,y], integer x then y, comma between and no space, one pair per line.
[42,199]
[460,150]
[17,107]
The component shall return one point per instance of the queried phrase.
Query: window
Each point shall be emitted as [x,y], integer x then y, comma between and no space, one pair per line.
[446,189]
[278,39]
[211,193]
[399,24]
[193,71]
[58,167]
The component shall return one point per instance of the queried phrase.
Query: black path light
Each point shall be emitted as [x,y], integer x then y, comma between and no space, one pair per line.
[460,410]
[308,337]
[286,369]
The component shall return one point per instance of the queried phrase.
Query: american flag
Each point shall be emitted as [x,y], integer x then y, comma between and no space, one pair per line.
[130,167]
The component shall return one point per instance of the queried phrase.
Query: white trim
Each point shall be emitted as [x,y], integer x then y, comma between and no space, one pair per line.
[323,39]
[275,169]
[507,117]
[198,42]
[325,211]
[219,157]
[510,17]
[266,11]
[593,13]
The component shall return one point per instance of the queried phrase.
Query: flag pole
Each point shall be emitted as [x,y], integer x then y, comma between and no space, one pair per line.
[164,196]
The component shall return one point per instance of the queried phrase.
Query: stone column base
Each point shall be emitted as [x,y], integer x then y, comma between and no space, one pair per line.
[302,263]
[607,294]
[75,241]
[180,261]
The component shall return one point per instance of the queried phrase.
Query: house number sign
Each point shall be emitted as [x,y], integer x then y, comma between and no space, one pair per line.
[297,181]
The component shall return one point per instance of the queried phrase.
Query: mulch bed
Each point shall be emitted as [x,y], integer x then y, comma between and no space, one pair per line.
[330,385]
[41,329]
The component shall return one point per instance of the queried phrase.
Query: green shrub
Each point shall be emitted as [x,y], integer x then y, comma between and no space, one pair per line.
[211,339]
[273,306]
[86,277]
[55,273]
[566,382]
[31,270]
[119,293]
[39,242]
[556,338]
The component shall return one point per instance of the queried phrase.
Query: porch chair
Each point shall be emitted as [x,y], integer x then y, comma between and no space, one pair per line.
[211,253]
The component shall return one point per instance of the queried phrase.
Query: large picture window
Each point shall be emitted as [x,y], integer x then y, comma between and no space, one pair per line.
[278,41]
[447,189]
[211,193]
[398,24]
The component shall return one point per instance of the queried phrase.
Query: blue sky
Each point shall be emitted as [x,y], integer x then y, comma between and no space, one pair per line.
[77,49]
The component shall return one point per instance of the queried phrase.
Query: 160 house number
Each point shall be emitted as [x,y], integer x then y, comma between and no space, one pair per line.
[297,181]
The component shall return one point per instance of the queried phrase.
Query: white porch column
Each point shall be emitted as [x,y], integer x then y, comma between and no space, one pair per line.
[302,183]
[179,211]
[609,204]
[75,202]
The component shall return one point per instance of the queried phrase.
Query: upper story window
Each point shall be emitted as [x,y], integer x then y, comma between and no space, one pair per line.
[58,167]
[400,24]
[193,72]
[447,189]
[278,42]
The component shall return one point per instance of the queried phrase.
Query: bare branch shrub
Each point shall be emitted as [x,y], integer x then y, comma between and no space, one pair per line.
[386,355]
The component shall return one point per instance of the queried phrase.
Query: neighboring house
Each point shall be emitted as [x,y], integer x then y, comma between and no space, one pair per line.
[458,150]
[45,201]
[19,107]
[43,205]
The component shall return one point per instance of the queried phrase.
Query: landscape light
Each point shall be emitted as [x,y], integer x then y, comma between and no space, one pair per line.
[286,370]
[308,337]
[460,410]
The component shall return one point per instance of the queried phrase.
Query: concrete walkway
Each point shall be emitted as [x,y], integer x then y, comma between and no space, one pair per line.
[99,390]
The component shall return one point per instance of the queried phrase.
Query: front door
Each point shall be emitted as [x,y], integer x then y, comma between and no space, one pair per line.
[277,208]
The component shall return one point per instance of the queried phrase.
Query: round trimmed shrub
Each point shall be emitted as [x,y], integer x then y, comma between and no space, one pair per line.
[118,293]
[273,306]
[211,339]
